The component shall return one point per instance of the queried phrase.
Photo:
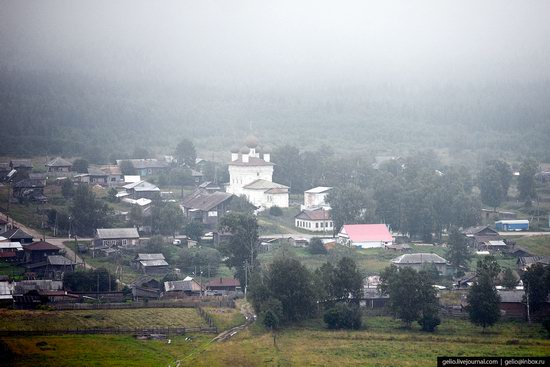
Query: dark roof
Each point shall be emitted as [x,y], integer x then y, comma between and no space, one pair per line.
[316,214]
[478,229]
[117,233]
[59,162]
[40,246]
[15,233]
[21,163]
[29,183]
[2,221]
[224,282]
[205,201]
[520,250]
[59,260]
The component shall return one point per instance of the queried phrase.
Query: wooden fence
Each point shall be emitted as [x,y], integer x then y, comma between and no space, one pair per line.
[150,304]
[134,331]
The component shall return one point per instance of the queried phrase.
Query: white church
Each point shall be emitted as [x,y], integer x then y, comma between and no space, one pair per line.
[252,176]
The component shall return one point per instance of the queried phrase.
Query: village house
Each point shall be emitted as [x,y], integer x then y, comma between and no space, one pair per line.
[210,187]
[116,237]
[17,235]
[365,235]
[52,267]
[59,165]
[223,285]
[146,287]
[477,236]
[315,220]
[11,251]
[29,189]
[206,207]
[151,263]
[6,297]
[141,189]
[146,167]
[421,261]
[182,288]
[512,304]
[114,175]
[316,197]
[523,263]
[494,246]
[95,176]
[22,166]
[372,296]
[37,252]
[252,176]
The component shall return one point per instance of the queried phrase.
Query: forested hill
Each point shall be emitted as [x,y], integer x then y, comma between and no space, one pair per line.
[60,114]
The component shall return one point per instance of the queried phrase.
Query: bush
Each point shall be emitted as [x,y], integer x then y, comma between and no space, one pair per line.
[316,246]
[546,325]
[429,321]
[275,211]
[343,316]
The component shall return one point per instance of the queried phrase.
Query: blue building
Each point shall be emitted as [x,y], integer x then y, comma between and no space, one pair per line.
[512,225]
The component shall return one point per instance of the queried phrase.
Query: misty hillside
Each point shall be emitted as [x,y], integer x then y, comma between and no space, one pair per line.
[68,114]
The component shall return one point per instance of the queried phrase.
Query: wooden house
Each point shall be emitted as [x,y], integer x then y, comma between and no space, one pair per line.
[206,207]
[17,235]
[29,189]
[151,263]
[37,252]
[59,165]
[116,237]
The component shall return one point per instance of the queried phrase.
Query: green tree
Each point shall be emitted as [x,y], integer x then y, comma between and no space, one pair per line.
[316,246]
[80,166]
[181,177]
[185,153]
[504,173]
[483,301]
[136,218]
[194,230]
[412,296]
[242,246]
[458,253]
[290,282]
[289,169]
[509,279]
[240,204]
[275,211]
[127,168]
[490,186]
[202,258]
[350,205]
[171,219]
[343,316]
[488,265]
[526,180]
[536,282]
[88,213]
[348,280]
[67,188]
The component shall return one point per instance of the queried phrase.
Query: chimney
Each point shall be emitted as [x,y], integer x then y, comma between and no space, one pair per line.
[267,157]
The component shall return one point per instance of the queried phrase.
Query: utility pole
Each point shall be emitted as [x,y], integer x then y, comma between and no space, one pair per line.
[245,277]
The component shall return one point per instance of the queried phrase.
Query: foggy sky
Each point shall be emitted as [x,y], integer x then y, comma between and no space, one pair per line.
[281,42]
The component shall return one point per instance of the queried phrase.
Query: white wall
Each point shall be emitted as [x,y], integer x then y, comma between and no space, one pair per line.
[310,225]
[260,198]
[240,176]
[314,200]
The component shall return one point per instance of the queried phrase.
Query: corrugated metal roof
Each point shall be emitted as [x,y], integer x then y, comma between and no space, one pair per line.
[316,214]
[318,190]
[366,232]
[419,258]
[264,185]
[188,284]
[11,245]
[117,233]
[59,260]
[59,162]
[149,263]
[205,201]
[140,257]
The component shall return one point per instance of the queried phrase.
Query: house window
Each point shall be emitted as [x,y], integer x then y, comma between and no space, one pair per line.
[316,225]
[124,242]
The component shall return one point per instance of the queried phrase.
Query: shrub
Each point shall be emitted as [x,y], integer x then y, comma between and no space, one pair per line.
[429,321]
[343,316]
[275,211]
[316,246]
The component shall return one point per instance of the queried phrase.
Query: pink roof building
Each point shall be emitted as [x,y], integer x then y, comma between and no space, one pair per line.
[365,235]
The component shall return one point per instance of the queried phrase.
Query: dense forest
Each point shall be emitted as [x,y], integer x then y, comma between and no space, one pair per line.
[73,115]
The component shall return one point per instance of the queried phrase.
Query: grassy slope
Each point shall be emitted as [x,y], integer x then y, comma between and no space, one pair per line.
[539,245]
[132,318]
[99,350]
[383,343]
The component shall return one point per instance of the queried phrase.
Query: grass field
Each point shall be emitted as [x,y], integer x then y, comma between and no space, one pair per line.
[539,245]
[225,318]
[97,350]
[89,319]
[382,342]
